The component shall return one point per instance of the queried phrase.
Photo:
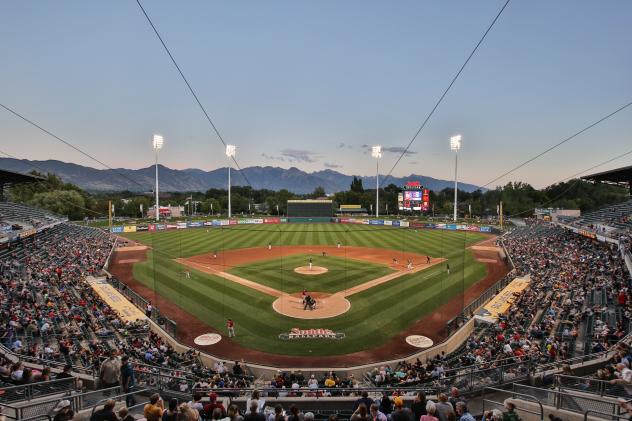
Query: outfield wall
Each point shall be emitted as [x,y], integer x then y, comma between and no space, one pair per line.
[222,223]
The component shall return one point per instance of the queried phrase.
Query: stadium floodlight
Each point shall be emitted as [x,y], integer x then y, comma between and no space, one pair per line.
[376,152]
[230,153]
[455,145]
[157,144]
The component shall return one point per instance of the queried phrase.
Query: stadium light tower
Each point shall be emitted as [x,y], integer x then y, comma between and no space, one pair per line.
[230,153]
[157,143]
[376,152]
[455,145]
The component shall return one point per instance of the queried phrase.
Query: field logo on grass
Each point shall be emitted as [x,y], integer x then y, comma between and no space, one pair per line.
[296,333]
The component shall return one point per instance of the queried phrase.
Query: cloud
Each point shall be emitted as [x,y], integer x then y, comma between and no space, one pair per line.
[298,155]
[398,150]
[389,149]
[273,158]
[328,165]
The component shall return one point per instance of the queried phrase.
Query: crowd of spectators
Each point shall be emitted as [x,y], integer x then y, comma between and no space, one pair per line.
[50,314]
[578,300]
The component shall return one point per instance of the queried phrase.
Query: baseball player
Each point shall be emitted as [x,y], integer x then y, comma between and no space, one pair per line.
[269,246]
[187,273]
[310,263]
[230,325]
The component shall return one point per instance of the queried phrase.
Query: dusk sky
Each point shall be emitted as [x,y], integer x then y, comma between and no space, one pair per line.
[311,84]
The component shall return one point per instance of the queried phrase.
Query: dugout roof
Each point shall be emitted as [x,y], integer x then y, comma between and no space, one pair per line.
[619,176]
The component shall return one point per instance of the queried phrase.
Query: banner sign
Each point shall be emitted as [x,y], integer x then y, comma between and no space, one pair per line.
[117,229]
[271,220]
[171,226]
[501,303]
[181,225]
[27,233]
[125,309]
[296,333]
[208,223]
[142,227]
[129,228]
[195,224]
[588,234]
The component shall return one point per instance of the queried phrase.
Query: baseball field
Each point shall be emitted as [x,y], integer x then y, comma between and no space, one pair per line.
[389,278]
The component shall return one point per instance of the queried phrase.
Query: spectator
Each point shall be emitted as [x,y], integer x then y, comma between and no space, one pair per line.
[171,413]
[67,373]
[364,400]
[419,406]
[63,411]
[154,409]
[127,380]
[278,412]
[253,413]
[462,412]
[431,410]
[510,413]
[376,414]
[106,413]
[443,407]
[256,396]
[233,414]
[110,372]
[360,414]
[386,405]
[400,413]
[124,414]
[213,404]
[196,403]
[295,414]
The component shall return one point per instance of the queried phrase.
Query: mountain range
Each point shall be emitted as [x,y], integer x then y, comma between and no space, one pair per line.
[272,178]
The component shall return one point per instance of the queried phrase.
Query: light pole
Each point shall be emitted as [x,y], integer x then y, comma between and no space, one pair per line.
[157,143]
[455,145]
[230,153]
[376,152]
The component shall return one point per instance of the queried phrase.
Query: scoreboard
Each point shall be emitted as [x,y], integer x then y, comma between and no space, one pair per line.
[414,197]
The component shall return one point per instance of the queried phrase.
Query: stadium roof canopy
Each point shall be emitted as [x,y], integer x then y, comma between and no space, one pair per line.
[619,176]
[11,177]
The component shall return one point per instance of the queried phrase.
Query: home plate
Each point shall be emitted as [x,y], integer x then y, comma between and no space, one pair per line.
[208,339]
[419,341]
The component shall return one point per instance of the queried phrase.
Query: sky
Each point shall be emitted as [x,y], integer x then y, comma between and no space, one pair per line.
[315,84]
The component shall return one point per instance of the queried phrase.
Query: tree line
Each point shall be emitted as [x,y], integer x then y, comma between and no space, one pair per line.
[519,199]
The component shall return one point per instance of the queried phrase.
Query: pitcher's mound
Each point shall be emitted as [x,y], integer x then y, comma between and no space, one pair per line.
[326,306]
[315,270]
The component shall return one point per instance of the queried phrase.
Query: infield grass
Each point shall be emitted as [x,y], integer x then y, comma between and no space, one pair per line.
[375,316]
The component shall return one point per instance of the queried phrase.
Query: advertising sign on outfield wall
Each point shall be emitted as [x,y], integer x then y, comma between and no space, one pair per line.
[181,225]
[117,229]
[129,228]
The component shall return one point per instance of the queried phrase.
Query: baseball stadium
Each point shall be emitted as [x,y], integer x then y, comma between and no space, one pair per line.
[176,283]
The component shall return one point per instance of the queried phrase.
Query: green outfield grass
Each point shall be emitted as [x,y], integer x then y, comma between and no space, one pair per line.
[375,315]
[342,274]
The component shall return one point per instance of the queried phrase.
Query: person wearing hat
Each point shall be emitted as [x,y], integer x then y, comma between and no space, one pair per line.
[209,407]
[400,413]
[63,411]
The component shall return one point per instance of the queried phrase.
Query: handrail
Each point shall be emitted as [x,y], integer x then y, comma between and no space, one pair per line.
[45,362]
[117,397]
[514,393]
[617,416]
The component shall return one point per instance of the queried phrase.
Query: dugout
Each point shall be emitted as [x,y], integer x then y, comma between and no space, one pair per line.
[309,210]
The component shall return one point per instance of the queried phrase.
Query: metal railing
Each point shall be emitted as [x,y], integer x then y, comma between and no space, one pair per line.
[78,402]
[122,397]
[572,402]
[514,394]
[590,385]
[170,326]
[44,362]
[30,391]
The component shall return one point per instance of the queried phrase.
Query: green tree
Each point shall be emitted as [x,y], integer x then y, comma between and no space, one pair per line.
[318,192]
[356,185]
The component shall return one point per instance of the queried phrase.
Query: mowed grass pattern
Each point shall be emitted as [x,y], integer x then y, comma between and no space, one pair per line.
[191,242]
[375,315]
[342,273]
